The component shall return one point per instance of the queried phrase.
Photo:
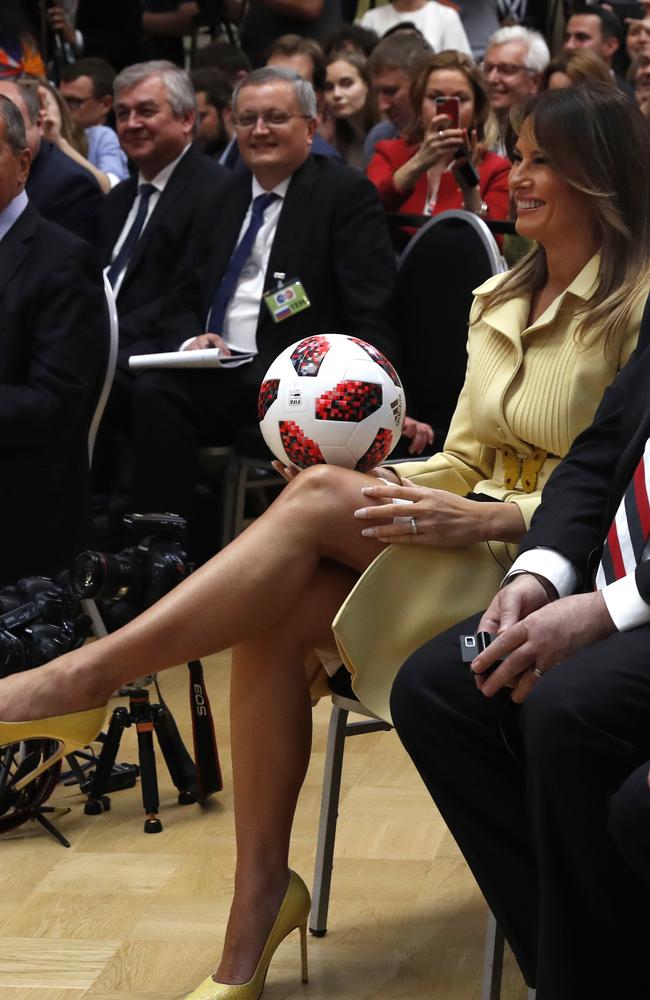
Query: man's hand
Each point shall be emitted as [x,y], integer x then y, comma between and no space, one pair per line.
[542,639]
[419,434]
[208,340]
[59,22]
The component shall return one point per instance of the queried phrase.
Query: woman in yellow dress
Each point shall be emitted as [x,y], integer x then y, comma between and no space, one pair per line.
[544,342]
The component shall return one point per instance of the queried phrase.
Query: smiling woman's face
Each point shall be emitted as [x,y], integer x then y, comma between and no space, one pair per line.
[548,207]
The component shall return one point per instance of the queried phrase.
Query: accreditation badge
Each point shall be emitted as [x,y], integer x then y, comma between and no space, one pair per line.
[286,300]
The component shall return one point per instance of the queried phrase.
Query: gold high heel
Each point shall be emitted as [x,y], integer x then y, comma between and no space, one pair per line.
[71,732]
[293,913]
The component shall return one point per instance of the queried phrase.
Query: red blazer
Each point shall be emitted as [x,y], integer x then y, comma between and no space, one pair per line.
[391,154]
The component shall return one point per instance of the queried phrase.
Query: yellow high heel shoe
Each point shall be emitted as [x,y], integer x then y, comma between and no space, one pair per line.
[293,913]
[72,731]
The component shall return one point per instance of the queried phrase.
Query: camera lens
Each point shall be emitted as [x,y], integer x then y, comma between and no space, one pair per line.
[98,574]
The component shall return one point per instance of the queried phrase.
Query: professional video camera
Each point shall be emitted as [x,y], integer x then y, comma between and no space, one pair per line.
[131,580]
[39,620]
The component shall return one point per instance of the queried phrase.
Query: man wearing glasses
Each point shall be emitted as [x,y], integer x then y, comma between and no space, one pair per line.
[514,62]
[298,246]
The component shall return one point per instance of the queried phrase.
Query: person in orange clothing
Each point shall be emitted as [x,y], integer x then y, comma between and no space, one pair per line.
[418,173]
[18,51]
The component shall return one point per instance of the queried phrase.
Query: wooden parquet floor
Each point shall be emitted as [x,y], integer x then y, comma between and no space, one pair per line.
[125,915]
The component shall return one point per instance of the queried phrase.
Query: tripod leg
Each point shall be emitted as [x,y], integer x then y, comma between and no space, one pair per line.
[148,776]
[96,786]
[51,829]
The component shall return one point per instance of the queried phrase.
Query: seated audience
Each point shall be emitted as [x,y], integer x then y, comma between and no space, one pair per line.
[567,317]
[107,163]
[421,172]
[639,78]
[318,229]
[637,38]
[87,86]
[598,29]
[18,50]
[146,221]
[572,67]
[214,126]
[439,23]
[63,191]
[53,348]
[391,69]
[350,106]
[515,59]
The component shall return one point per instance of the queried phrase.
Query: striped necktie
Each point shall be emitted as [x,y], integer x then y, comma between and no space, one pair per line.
[630,529]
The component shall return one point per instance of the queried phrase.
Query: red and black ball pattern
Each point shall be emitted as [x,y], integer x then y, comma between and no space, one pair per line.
[308,355]
[300,449]
[351,401]
[377,451]
[268,395]
[381,360]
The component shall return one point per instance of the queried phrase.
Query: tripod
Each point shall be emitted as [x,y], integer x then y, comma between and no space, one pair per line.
[195,782]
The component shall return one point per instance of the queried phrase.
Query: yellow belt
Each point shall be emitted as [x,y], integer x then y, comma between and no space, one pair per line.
[523,471]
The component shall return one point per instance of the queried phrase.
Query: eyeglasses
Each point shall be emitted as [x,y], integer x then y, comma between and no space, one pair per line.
[505,69]
[248,119]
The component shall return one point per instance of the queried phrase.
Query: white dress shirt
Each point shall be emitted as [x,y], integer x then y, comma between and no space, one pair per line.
[160,182]
[242,312]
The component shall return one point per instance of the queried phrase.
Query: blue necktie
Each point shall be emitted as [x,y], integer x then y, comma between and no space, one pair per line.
[236,263]
[122,259]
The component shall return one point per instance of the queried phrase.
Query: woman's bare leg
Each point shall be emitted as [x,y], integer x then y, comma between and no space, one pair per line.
[270,715]
[239,594]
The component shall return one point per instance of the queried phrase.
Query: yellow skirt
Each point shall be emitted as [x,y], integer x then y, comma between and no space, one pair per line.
[406,596]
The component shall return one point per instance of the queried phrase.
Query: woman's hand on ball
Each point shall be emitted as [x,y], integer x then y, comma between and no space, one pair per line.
[208,340]
[441,518]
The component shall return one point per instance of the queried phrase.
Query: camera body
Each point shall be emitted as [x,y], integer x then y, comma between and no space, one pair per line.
[39,620]
[138,576]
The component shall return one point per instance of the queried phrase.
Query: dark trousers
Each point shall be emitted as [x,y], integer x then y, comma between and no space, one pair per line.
[174,414]
[526,793]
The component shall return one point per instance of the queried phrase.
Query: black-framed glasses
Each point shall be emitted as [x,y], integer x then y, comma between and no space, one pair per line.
[248,119]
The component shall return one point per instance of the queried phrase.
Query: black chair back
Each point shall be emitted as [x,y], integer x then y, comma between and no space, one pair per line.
[447,258]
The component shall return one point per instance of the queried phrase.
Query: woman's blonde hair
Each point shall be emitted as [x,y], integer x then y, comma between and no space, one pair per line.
[448,60]
[580,65]
[598,142]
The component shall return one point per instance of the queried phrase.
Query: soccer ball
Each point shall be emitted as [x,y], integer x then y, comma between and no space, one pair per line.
[334,399]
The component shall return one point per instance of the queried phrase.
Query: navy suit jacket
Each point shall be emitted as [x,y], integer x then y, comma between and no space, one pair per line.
[65,192]
[53,346]
[161,246]
[331,234]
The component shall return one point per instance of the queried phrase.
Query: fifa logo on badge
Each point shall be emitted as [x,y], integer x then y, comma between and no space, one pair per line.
[396,407]
[294,398]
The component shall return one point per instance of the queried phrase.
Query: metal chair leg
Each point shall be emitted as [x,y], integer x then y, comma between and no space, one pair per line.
[493,960]
[327,824]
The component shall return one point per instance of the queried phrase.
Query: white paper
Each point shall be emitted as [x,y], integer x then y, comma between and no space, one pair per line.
[207,357]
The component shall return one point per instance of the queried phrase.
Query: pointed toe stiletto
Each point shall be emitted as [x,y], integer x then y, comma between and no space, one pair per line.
[293,913]
[71,732]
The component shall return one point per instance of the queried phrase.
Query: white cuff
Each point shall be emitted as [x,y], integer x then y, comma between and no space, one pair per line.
[626,607]
[185,343]
[549,563]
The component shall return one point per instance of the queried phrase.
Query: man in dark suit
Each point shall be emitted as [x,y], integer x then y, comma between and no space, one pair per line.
[322,225]
[155,115]
[525,768]
[62,190]
[53,342]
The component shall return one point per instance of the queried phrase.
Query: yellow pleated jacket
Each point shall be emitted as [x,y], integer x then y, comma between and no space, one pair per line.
[527,387]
